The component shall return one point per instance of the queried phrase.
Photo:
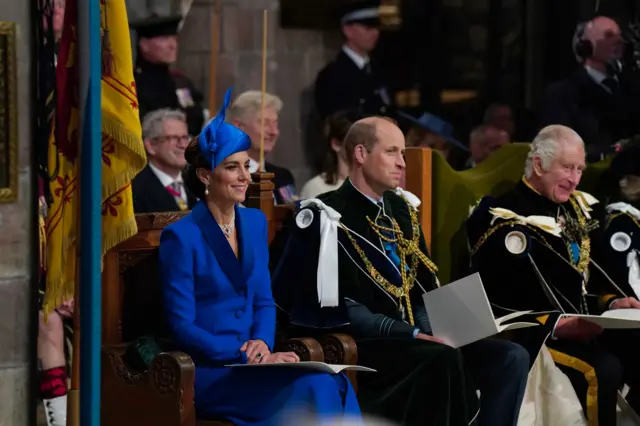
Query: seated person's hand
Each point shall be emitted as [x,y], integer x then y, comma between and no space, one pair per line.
[66,309]
[576,329]
[423,336]
[625,303]
[280,357]
[255,350]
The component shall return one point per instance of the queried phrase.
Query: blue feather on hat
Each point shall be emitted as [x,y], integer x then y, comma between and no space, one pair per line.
[219,139]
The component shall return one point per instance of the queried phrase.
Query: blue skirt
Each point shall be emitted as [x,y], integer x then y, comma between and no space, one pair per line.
[269,396]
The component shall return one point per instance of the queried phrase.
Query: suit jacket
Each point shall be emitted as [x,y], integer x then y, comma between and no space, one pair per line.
[599,117]
[545,277]
[342,85]
[284,189]
[158,88]
[215,302]
[149,196]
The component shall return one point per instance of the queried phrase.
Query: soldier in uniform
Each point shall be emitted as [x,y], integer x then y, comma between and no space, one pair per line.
[540,248]
[366,243]
[158,86]
[351,80]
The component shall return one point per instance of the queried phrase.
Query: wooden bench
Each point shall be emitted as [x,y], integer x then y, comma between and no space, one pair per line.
[163,394]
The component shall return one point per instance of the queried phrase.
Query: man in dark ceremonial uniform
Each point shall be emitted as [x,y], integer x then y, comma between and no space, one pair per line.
[351,81]
[622,224]
[540,248]
[358,238]
[158,86]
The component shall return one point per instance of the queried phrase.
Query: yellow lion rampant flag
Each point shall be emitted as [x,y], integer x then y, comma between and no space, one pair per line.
[123,154]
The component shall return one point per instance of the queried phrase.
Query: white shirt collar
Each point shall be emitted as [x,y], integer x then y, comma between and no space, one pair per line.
[253,165]
[358,59]
[597,75]
[164,178]
[373,200]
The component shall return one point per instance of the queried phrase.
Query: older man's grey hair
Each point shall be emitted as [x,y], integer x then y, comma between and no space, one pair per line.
[545,146]
[153,122]
[248,103]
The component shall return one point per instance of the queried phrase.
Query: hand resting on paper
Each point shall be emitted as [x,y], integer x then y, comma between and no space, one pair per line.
[423,336]
[253,348]
[576,329]
[625,303]
[279,357]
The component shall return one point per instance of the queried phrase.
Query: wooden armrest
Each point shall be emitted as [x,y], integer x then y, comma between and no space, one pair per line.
[306,348]
[340,348]
[163,395]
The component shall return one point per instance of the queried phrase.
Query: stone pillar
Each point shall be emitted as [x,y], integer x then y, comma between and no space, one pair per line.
[294,59]
[15,239]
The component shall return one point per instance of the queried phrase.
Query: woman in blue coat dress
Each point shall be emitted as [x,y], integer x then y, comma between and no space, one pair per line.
[217,294]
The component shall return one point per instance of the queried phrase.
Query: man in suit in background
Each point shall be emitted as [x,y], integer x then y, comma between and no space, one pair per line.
[350,81]
[596,102]
[157,85]
[159,186]
[244,113]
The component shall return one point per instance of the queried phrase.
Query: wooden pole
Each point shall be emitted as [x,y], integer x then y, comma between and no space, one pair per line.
[264,86]
[73,395]
[213,58]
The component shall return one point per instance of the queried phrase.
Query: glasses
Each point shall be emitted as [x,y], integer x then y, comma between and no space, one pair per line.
[174,138]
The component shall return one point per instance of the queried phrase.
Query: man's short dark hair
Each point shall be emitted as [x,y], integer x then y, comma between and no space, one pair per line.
[361,133]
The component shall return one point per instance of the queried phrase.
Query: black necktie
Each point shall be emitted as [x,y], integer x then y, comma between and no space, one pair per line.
[367,68]
[611,84]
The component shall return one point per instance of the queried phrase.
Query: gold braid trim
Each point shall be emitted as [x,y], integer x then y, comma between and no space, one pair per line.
[406,249]
[616,215]
[493,229]
[585,241]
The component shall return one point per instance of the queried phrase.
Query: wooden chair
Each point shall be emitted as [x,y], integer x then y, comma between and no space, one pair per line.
[163,394]
[447,196]
[338,348]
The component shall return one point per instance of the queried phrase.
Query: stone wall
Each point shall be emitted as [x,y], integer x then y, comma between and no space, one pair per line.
[293,61]
[15,242]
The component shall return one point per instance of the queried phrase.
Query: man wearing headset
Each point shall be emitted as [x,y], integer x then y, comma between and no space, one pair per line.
[596,101]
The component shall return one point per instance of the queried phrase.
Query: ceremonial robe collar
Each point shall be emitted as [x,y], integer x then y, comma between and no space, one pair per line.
[237,269]
[354,206]
[538,204]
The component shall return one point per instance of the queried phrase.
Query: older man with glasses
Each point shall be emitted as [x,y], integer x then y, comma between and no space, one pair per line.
[159,186]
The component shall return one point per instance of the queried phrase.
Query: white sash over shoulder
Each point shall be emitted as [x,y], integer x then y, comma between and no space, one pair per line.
[328,257]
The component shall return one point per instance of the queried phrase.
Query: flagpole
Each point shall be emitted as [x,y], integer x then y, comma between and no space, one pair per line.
[90,247]
[213,58]
[264,86]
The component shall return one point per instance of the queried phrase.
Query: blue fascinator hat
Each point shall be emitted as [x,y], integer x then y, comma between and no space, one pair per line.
[219,139]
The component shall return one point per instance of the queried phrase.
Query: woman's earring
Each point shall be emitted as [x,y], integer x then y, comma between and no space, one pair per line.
[206,189]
